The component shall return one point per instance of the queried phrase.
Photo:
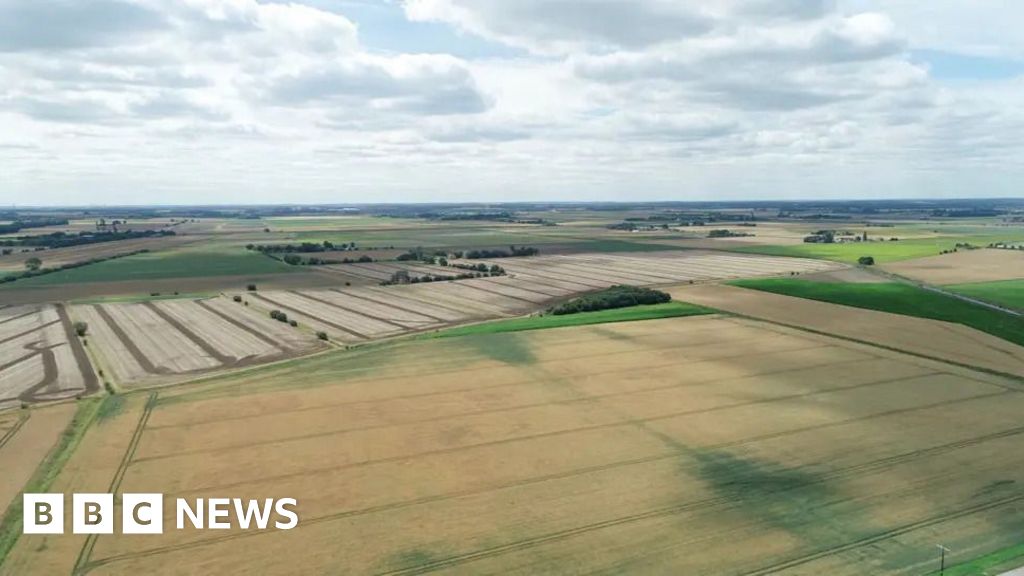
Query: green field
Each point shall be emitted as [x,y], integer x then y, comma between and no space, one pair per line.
[649,312]
[162,265]
[898,299]
[1008,293]
[881,251]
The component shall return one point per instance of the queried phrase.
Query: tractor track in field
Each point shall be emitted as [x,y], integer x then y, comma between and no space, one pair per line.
[580,357]
[29,331]
[239,324]
[344,308]
[409,297]
[885,535]
[20,316]
[82,562]
[143,361]
[492,282]
[390,305]
[195,338]
[496,293]
[22,418]
[511,384]
[847,472]
[604,426]
[50,370]
[582,400]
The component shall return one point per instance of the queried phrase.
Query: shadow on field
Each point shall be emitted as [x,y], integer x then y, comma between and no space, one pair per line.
[802,502]
[508,347]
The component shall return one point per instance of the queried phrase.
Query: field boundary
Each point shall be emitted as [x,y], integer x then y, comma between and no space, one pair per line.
[1009,376]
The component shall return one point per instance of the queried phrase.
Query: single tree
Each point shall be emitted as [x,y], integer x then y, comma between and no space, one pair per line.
[33,263]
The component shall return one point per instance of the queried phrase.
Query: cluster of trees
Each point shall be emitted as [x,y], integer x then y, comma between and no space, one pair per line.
[420,255]
[725,233]
[65,240]
[34,266]
[513,251]
[282,317]
[821,237]
[620,296]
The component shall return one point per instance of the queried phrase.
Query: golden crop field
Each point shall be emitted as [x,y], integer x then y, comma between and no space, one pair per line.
[703,445]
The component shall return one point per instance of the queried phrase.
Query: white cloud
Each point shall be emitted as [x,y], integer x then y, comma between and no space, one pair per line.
[608,99]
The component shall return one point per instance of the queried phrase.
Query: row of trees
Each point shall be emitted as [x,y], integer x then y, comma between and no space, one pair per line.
[65,240]
[512,252]
[19,225]
[620,296]
[403,276]
[34,266]
[296,260]
[304,247]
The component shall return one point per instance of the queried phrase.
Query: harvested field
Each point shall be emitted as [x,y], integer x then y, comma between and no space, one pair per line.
[645,447]
[356,314]
[162,340]
[931,338]
[40,357]
[963,267]
[600,270]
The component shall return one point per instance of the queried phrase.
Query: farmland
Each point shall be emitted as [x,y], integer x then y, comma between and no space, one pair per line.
[162,265]
[898,298]
[653,444]
[143,342]
[826,416]
[955,343]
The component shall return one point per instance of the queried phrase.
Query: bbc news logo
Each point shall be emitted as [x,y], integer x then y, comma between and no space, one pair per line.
[144,513]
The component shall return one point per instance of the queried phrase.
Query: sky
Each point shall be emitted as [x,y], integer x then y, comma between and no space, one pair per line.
[361,101]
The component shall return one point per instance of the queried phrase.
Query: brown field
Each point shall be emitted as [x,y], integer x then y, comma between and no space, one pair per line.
[953,342]
[25,439]
[40,356]
[685,446]
[963,267]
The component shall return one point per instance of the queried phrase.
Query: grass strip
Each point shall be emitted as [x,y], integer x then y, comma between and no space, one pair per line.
[85,415]
[897,298]
[633,313]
